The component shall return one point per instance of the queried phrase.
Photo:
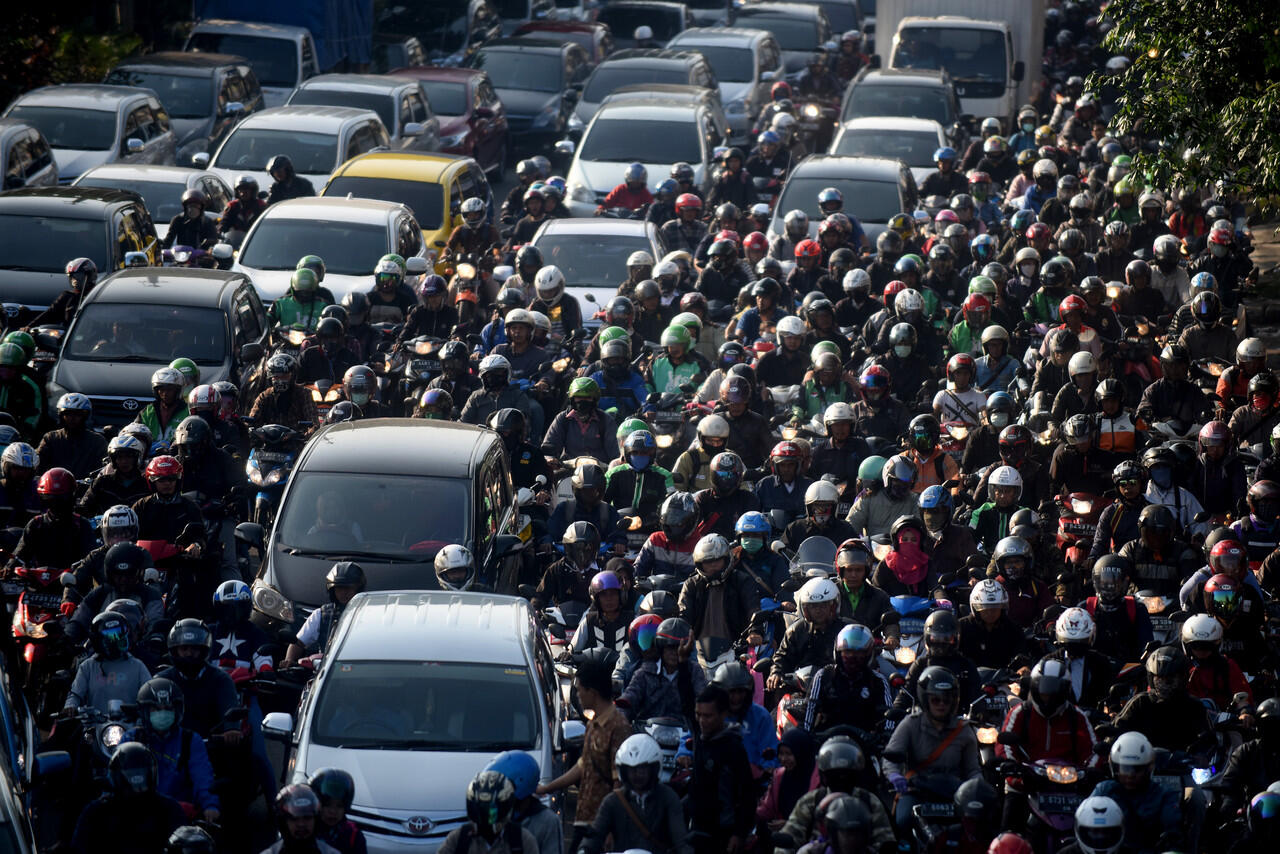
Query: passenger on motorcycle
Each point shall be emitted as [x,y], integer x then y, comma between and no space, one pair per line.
[1162,488]
[497,392]
[641,795]
[750,434]
[1153,812]
[693,466]
[1214,676]
[1077,397]
[117,568]
[163,415]
[73,446]
[1076,466]
[1118,523]
[432,316]
[58,537]
[821,499]
[874,512]
[724,502]
[982,448]
[849,691]
[669,550]
[860,601]
[1166,713]
[110,676]
[716,600]
[184,770]
[783,489]
[1233,383]
[564,315]
[604,624]
[583,428]
[301,305]
[667,684]
[242,211]
[844,782]
[949,544]
[733,183]
[988,637]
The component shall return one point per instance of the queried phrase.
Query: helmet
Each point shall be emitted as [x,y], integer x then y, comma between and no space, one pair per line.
[491,798]
[1082,362]
[910,300]
[494,363]
[192,437]
[836,413]
[821,492]
[816,591]
[1227,557]
[232,601]
[688,201]
[899,475]
[297,801]
[937,681]
[639,750]
[790,325]
[119,522]
[1167,669]
[74,402]
[676,336]
[961,362]
[1075,626]
[733,676]
[20,455]
[281,365]
[941,630]
[1201,629]
[166,377]
[642,634]
[752,522]
[190,839]
[1078,428]
[1156,516]
[1132,754]
[335,784]
[1013,547]
[189,632]
[602,581]
[132,769]
[808,249]
[946,152]
[727,471]
[987,594]
[1050,686]
[455,567]
[56,482]
[673,631]
[1222,595]
[124,562]
[344,573]
[923,432]
[110,635]
[204,398]
[840,754]
[581,542]
[1263,810]
[1110,576]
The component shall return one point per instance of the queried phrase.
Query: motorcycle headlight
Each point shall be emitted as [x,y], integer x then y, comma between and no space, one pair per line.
[271,602]
[579,193]
[811,111]
[273,477]
[904,655]
[988,735]
[453,140]
[1064,774]
[664,440]
[253,472]
[112,735]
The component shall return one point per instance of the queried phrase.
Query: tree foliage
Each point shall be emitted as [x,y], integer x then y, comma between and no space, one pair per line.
[45,46]
[1205,82]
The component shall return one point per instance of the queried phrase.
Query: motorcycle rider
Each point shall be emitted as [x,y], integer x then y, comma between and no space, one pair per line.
[132,815]
[687,230]
[587,505]
[715,600]
[605,623]
[785,488]
[121,565]
[733,183]
[286,183]
[820,520]
[568,579]
[82,275]
[1153,812]
[642,796]
[390,298]
[184,770]
[1118,523]
[1160,464]
[766,571]
[343,581]
[667,685]
[1213,676]
[335,790]
[874,512]
[946,180]
[1252,422]
[190,227]
[749,431]
[21,395]
[1159,559]
[862,602]
[849,691]
[59,536]
[432,316]
[817,81]
[1255,763]
[497,392]
[473,237]
[726,500]
[878,412]
[302,304]
[284,402]
[242,211]
[73,446]
[163,415]
[811,639]
[111,675]
[583,428]
[988,637]
[1233,384]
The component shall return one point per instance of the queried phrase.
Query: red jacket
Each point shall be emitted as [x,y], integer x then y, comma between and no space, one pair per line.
[623,196]
[1218,679]
[1066,737]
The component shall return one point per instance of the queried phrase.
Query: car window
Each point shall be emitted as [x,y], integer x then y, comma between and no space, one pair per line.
[247,325]
[308,57]
[18,163]
[213,192]
[769,55]
[547,683]
[421,109]
[490,511]
[406,111]
[455,197]
[135,126]
[160,120]
[379,134]
[467,184]
[233,88]
[362,140]
[41,153]
[252,88]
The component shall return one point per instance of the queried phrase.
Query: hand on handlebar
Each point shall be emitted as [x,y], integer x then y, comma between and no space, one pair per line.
[193,550]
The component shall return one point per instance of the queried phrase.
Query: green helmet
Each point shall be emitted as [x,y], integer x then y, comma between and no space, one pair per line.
[11,356]
[676,335]
[871,469]
[584,387]
[689,321]
[186,367]
[304,279]
[982,285]
[23,340]
[823,347]
[613,333]
[625,429]
[398,260]
[919,261]
[314,263]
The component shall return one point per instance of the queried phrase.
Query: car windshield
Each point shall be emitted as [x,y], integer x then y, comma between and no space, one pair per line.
[966,54]
[913,149]
[376,516]
[591,259]
[792,33]
[518,9]
[623,21]
[425,199]
[917,102]
[382,104]
[869,201]
[427,705]
[42,244]
[252,148]
[147,332]
[350,248]
[162,198]
[730,64]
[867,7]
[184,96]
[632,140]
[274,61]
[840,14]
[521,69]
[75,129]
[610,77]
[446,99]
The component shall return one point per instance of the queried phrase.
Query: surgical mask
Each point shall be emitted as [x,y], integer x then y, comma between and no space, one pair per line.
[902,351]
[751,545]
[1028,127]
[999,419]
[162,720]
[639,462]
[359,398]
[1162,476]
[1028,270]
[1218,250]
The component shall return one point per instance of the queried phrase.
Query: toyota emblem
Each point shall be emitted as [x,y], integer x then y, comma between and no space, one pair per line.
[419,825]
[129,404]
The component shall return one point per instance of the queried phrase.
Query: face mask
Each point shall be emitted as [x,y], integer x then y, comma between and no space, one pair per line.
[999,419]
[1162,476]
[1028,127]
[639,462]
[751,545]
[162,720]
[281,385]
[359,398]
[902,351]
[1028,270]
[583,407]
[1218,250]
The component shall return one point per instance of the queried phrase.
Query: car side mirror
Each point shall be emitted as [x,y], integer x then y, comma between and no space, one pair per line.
[571,95]
[223,251]
[251,533]
[565,147]
[416,266]
[250,353]
[1019,71]
[572,734]
[413,129]
[234,108]
[51,763]
[505,545]
[133,145]
[279,726]
[45,341]
[201,159]
[136,259]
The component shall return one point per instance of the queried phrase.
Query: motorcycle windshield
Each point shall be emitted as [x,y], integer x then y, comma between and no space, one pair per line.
[816,553]
[906,605]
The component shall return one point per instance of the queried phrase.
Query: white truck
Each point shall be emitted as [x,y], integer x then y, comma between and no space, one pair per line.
[992,49]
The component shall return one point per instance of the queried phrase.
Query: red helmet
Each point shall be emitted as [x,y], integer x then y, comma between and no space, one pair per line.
[1221,236]
[688,200]
[786,450]
[163,466]
[1222,595]
[729,234]
[1215,433]
[975,302]
[1072,302]
[781,89]
[808,249]
[976,177]
[57,481]
[946,215]
[829,224]
[756,240]
[961,361]
[875,377]
[1009,843]
[1038,229]
[892,289]
[1227,556]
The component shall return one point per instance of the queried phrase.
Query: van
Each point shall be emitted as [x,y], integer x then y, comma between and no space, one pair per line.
[281,56]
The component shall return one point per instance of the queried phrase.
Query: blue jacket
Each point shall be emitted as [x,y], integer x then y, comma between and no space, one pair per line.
[195,786]
[749,324]
[493,334]
[773,495]
[1035,197]
[1148,814]
[1020,142]
[995,378]
[614,394]
[759,733]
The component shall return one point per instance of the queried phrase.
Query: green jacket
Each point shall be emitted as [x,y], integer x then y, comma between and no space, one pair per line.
[151,419]
[290,312]
[664,377]
[818,398]
[25,401]
[963,340]
[1042,308]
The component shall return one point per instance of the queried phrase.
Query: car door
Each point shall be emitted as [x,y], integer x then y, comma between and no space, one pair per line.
[17,161]
[488,120]
[135,122]
[230,93]
[42,171]
[429,140]
[162,143]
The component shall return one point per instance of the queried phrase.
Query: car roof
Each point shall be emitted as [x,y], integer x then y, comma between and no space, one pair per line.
[902,76]
[560,27]
[668,5]
[717,35]
[395,446]
[333,208]
[385,83]
[82,96]
[650,109]
[847,166]
[72,202]
[893,123]
[661,93]
[421,625]
[309,117]
[182,60]
[529,45]
[438,72]
[397,164]
[753,9]
[650,56]
[249,28]
[146,172]
[594,225]
[166,286]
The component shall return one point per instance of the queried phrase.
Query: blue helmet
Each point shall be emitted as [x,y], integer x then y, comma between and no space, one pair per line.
[1022,220]
[935,498]
[769,138]
[1001,400]
[753,522]
[830,194]
[636,172]
[640,442]
[668,187]
[1204,282]
[983,247]
[945,153]
[518,767]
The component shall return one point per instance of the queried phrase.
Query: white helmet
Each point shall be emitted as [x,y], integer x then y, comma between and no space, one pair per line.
[119,521]
[167,376]
[494,362]
[450,559]
[640,258]
[662,268]
[1075,625]
[783,122]
[987,594]
[1201,628]
[74,401]
[549,283]
[1132,751]
[816,591]
[790,325]
[518,315]
[1005,476]
[838,411]
[1099,825]
[710,547]
[821,490]
[714,426]
[995,332]
[855,280]
[1250,348]
[20,454]
[1082,363]
[638,750]
[1043,167]
[908,300]
[642,33]
[541,321]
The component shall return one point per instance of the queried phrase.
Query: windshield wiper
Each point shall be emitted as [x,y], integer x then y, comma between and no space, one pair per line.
[123,357]
[406,744]
[347,554]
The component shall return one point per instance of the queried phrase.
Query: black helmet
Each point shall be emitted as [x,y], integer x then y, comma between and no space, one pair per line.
[1050,686]
[845,812]
[160,695]
[733,675]
[132,769]
[942,630]
[125,558]
[976,799]
[1167,669]
[660,602]
[1268,717]
[232,602]
[581,544]
[454,350]
[509,423]
[491,797]
[280,161]
[1156,516]
[190,839]
[345,573]
[588,476]
[337,312]
[1110,576]
[190,632]
[673,631]
[924,432]
[329,327]
[528,256]
[192,438]
[357,305]
[1055,273]
[110,635]
[333,784]
[937,681]
[296,801]
[679,516]
[766,287]
[840,753]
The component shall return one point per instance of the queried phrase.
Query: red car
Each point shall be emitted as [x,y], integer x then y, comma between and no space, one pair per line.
[594,38]
[473,121]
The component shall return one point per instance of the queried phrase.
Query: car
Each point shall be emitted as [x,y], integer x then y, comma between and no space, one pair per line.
[418,680]
[397,51]
[596,39]
[874,189]
[349,234]
[206,94]
[913,141]
[22,771]
[664,19]
[399,101]
[281,56]
[746,64]
[450,30]
[516,12]
[433,186]
[91,124]
[473,120]
[535,80]
[26,156]
[842,15]
[911,94]
[591,253]
[41,228]
[410,487]
[316,139]
[800,28]
[139,320]
[161,188]
[640,66]
[641,127]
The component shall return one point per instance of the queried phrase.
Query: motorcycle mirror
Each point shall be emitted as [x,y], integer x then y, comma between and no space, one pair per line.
[251,352]
[557,631]
[540,480]
[777,547]
[250,533]
[528,591]
[45,341]
[67,579]
[762,665]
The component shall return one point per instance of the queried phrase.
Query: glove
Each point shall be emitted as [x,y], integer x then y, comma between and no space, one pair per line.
[899,783]
[67,608]
[241,675]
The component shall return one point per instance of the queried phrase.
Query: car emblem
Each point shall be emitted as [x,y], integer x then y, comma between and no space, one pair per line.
[419,825]
[129,404]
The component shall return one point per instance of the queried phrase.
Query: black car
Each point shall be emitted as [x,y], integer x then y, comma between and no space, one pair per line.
[910,94]
[42,228]
[206,94]
[536,80]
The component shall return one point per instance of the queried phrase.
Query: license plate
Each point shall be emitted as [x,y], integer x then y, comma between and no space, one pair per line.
[911,626]
[10,588]
[1059,802]
[1160,621]
[936,810]
[1078,528]
[270,457]
[668,418]
[51,601]
[424,366]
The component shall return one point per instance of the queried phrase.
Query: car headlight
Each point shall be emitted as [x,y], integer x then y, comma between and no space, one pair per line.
[579,193]
[271,602]
[453,140]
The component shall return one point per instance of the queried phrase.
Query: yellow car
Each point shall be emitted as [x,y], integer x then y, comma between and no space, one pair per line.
[433,186]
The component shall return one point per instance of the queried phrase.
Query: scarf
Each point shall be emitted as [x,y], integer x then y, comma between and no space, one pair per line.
[909,563]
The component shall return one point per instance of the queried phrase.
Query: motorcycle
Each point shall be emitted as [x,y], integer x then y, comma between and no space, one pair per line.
[275,450]
[671,430]
[1077,521]
[896,659]
[1054,789]
[668,733]
[816,122]
[188,256]
[38,637]
[1160,609]
[421,365]
[955,434]
[324,394]
[768,188]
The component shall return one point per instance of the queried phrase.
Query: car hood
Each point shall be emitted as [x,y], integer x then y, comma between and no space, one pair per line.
[187,130]
[919,173]
[229,176]
[300,578]
[72,162]
[730,92]
[272,284]
[389,780]
[118,379]
[526,102]
[275,96]
[35,290]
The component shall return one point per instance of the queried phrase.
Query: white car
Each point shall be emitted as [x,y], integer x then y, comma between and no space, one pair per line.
[316,139]
[913,141]
[746,63]
[417,693]
[591,252]
[349,234]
